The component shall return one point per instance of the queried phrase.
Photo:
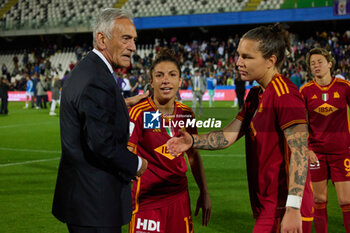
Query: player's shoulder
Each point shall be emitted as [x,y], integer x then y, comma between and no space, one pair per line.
[137,109]
[307,85]
[342,81]
[282,86]
[184,108]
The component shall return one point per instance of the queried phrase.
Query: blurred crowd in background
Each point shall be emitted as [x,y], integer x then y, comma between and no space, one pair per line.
[213,58]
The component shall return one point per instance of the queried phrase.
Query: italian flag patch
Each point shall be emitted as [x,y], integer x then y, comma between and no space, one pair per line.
[170,131]
[325,96]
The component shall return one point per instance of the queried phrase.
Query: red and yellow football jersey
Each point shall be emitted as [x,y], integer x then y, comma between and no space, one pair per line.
[165,178]
[265,115]
[328,116]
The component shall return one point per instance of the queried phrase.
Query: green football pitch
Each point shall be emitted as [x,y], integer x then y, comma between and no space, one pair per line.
[29,158]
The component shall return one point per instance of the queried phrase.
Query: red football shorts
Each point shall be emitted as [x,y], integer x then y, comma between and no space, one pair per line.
[175,218]
[335,167]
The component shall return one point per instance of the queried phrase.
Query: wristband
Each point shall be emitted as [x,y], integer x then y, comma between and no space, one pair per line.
[192,140]
[294,201]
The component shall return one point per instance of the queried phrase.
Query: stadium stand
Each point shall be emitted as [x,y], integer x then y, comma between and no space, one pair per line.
[50,13]
[182,7]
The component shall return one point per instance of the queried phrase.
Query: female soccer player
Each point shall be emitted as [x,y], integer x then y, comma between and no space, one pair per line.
[327,101]
[273,119]
[160,197]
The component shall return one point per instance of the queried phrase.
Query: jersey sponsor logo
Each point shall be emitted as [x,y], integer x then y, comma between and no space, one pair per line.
[315,166]
[163,150]
[336,95]
[325,96]
[325,109]
[151,120]
[314,97]
[148,225]
[157,131]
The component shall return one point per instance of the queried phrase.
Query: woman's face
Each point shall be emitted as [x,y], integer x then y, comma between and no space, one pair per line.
[319,66]
[165,81]
[251,63]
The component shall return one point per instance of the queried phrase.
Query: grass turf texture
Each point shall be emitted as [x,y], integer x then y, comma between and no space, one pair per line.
[29,158]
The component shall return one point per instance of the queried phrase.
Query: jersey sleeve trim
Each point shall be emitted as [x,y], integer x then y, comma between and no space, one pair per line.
[133,146]
[294,122]
[137,204]
[238,117]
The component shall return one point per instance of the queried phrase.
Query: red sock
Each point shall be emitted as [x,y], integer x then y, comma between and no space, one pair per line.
[346,217]
[307,226]
[321,219]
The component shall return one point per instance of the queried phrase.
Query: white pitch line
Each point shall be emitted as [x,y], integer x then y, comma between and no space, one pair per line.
[30,150]
[27,162]
[21,125]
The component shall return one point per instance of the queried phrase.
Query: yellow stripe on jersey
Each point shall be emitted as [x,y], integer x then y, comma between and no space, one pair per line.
[343,81]
[307,85]
[133,146]
[284,83]
[307,219]
[276,88]
[137,196]
[300,121]
[140,111]
[280,85]
[136,108]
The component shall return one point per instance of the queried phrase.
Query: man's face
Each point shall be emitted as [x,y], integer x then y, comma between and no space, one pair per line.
[119,48]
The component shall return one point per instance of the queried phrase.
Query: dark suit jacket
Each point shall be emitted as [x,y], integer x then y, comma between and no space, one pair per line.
[93,183]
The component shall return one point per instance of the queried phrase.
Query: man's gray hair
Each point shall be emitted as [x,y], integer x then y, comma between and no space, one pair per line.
[104,22]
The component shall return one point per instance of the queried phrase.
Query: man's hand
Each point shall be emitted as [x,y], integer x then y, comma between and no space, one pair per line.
[204,203]
[291,222]
[143,167]
[179,144]
[131,101]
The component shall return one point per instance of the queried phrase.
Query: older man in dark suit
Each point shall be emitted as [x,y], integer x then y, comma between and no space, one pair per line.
[93,185]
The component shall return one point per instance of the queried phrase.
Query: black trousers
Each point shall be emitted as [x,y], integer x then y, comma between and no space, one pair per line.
[84,229]
[4,103]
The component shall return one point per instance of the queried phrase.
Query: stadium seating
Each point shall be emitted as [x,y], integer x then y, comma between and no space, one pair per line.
[145,8]
[51,13]
[64,58]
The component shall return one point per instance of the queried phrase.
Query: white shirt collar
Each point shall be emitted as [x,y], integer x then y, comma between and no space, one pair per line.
[98,53]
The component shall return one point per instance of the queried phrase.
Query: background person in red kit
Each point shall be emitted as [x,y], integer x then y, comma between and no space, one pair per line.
[327,101]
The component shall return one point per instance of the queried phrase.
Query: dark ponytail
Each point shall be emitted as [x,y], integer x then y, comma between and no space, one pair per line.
[273,40]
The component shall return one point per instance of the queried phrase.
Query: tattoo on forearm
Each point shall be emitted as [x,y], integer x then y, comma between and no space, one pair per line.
[297,141]
[211,141]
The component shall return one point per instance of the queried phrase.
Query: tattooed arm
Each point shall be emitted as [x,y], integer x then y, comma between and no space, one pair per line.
[296,137]
[210,141]
[219,139]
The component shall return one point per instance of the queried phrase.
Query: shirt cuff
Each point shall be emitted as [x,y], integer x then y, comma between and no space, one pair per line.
[139,164]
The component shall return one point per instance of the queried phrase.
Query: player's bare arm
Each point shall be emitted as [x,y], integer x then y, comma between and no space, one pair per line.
[211,141]
[296,136]
[203,201]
